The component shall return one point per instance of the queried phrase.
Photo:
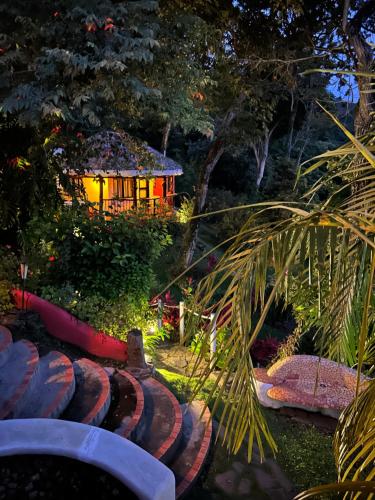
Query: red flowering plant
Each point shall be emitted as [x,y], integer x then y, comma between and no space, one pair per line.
[171,317]
[56,130]
[264,350]
[170,311]
[211,262]
[108,24]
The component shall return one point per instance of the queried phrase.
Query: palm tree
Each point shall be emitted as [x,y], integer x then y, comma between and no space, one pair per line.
[282,250]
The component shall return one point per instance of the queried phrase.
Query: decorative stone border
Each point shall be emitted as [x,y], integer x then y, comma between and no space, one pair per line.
[66,327]
[139,407]
[195,469]
[138,470]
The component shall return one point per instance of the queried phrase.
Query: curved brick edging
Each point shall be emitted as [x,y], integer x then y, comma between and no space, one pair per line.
[65,394]
[138,470]
[66,327]
[98,412]
[170,444]
[51,389]
[140,403]
[32,362]
[197,465]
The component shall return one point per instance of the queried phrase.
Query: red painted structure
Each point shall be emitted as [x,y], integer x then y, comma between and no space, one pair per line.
[64,326]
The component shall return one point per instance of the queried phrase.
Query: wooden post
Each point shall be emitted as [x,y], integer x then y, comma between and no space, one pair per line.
[135,193]
[136,355]
[160,314]
[212,340]
[182,322]
[101,182]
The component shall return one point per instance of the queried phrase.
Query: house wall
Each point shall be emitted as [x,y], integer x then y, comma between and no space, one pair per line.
[158,187]
[155,187]
[92,188]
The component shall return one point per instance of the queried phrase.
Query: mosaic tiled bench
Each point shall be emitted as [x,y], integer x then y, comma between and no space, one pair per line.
[308,382]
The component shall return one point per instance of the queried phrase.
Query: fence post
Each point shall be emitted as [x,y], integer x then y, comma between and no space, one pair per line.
[160,314]
[212,341]
[182,322]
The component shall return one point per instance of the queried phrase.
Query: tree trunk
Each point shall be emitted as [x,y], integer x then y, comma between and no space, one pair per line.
[214,154]
[136,356]
[362,54]
[261,150]
[165,139]
[191,233]
[292,119]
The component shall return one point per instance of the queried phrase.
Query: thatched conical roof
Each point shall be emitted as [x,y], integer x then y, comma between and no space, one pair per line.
[117,153]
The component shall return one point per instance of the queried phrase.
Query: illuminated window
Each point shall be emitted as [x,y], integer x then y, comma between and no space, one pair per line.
[142,188]
[120,187]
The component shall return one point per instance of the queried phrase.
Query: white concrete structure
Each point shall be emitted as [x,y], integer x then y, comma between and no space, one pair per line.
[138,470]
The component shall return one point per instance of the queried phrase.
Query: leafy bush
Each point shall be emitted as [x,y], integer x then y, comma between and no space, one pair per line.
[8,265]
[197,344]
[8,277]
[95,255]
[185,211]
[5,299]
[114,316]
[228,223]
[264,350]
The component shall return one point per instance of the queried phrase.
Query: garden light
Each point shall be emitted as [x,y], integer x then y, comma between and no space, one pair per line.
[24,267]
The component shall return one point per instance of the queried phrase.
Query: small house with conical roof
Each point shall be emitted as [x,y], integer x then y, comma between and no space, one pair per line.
[119,173]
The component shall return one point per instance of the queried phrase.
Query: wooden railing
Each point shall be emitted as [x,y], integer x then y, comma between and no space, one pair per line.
[153,206]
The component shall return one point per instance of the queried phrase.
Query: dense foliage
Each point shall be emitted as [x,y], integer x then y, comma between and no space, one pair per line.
[95,254]
[233,91]
[101,269]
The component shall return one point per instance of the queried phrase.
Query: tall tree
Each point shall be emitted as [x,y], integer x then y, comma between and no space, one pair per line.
[63,65]
[251,35]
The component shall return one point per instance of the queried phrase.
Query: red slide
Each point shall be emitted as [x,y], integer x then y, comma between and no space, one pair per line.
[64,326]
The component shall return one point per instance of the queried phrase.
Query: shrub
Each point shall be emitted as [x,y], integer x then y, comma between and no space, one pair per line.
[228,223]
[264,350]
[221,337]
[114,316]
[8,265]
[5,298]
[95,255]
[8,277]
